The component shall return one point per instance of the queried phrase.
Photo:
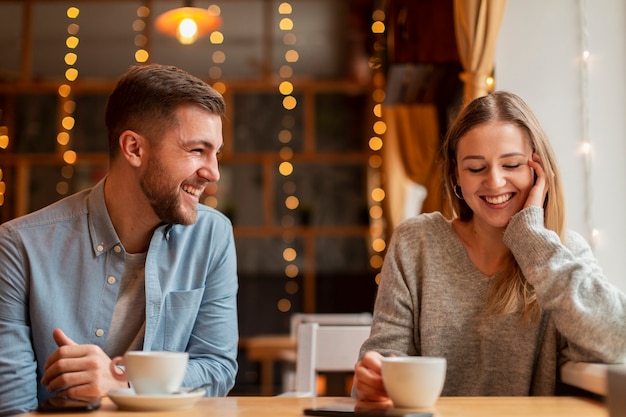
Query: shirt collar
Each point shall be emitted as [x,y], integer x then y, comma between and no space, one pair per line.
[101,230]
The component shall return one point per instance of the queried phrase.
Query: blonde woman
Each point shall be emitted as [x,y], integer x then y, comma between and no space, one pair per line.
[501,290]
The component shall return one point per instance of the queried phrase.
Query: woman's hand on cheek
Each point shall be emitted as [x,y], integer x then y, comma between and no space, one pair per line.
[539,191]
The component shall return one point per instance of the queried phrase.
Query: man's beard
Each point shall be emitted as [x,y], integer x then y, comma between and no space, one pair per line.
[165,200]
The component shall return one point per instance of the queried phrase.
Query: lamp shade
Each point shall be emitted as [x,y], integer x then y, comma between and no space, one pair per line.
[179,23]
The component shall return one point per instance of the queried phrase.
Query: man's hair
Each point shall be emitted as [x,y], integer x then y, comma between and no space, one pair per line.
[146,98]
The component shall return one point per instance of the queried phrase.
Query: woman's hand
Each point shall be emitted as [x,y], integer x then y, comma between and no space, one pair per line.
[368,380]
[539,191]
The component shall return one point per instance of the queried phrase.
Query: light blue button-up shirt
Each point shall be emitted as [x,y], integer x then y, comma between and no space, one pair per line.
[62,267]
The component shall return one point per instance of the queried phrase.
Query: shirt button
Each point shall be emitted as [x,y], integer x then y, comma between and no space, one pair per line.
[99,332]
[117,249]
[111,280]
[100,248]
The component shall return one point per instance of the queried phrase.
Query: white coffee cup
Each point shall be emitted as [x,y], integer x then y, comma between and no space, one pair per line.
[152,373]
[414,381]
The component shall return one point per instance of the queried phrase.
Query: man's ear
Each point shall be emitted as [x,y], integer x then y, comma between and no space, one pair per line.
[132,147]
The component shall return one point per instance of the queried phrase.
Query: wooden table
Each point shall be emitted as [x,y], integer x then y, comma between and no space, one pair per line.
[445,407]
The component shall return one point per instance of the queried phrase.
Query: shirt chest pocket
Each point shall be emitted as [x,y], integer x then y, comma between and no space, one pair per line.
[181,310]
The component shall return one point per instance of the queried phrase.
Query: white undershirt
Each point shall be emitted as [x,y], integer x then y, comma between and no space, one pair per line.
[129,316]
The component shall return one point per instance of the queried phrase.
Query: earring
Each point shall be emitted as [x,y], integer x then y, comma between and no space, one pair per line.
[458,192]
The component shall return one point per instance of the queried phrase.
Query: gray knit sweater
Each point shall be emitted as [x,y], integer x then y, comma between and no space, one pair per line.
[431,301]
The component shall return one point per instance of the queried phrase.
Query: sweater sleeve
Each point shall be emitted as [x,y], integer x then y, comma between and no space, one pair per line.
[570,285]
[394,328]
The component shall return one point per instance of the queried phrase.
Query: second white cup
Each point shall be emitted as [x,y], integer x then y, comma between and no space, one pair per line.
[152,373]
[414,381]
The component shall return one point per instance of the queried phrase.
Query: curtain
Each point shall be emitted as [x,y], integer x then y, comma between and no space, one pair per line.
[410,167]
[476,24]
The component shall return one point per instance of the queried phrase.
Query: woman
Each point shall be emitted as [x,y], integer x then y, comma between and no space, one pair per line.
[501,290]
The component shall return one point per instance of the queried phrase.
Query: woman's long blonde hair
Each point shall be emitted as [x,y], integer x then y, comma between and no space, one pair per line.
[509,292]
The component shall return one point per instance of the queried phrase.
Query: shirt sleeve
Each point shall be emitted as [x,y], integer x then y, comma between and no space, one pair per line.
[18,390]
[571,286]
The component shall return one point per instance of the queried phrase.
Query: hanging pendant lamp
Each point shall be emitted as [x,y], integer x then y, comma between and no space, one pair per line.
[188,23]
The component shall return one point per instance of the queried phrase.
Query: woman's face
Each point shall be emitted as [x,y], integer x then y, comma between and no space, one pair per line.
[493,171]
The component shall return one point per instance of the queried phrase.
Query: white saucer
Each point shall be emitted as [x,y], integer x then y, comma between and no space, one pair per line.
[126,399]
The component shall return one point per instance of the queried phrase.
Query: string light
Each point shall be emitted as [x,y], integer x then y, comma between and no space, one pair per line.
[4,144]
[586,145]
[286,167]
[376,143]
[218,56]
[68,122]
[141,40]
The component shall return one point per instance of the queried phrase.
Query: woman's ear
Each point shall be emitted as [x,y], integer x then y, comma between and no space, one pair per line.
[132,147]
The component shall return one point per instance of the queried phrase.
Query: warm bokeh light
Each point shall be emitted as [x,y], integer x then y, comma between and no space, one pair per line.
[73,29]
[378,110]
[375,143]
[379,245]
[64,90]
[284,305]
[71,74]
[291,271]
[284,136]
[69,106]
[376,161]
[62,187]
[4,141]
[218,57]
[378,95]
[68,122]
[210,201]
[378,27]
[285,168]
[376,212]
[292,56]
[143,11]
[216,38]
[290,39]
[215,72]
[220,87]
[139,25]
[284,8]
[376,261]
[67,171]
[290,102]
[285,88]
[378,194]
[378,14]
[285,24]
[63,138]
[292,202]
[73,12]
[285,71]
[69,157]
[72,42]
[70,58]
[141,55]
[380,127]
[286,153]
[289,254]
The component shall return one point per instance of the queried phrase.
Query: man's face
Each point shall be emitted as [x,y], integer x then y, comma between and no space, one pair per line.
[182,164]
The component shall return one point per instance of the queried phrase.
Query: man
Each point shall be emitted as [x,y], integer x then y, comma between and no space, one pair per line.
[135,263]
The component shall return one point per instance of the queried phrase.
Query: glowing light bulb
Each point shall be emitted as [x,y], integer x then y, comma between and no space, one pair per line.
[187,32]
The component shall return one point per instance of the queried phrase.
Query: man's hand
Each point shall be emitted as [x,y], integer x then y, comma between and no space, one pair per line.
[368,380]
[78,370]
